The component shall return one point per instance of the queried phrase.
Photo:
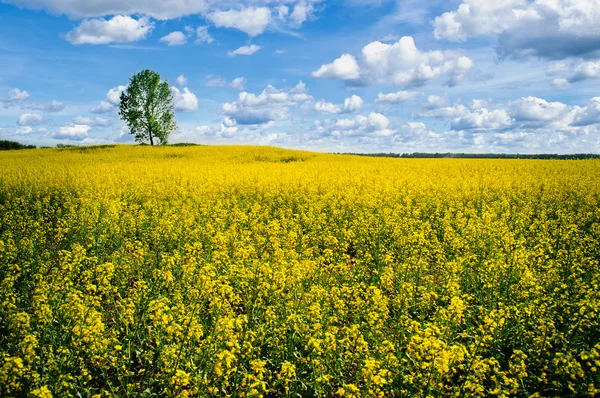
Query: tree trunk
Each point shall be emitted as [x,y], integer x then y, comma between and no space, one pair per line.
[150,131]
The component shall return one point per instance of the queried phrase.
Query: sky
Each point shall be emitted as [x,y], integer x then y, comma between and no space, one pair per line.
[500,76]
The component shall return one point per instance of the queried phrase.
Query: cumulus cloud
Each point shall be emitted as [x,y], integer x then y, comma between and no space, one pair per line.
[475,116]
[397,97]
[401,63]
[158,9]
[54,106]
[249,16]
[114,94]
[202,35]
[30,119]
[182,81]
[271,105]
[227,129]
[17,95]
[588,115]
[74,132]
[542,28]
[119,29]
[302,12]
[217,81]
[238,83]
[437,106]
[573,72]
[174,39]
[351,104]
[24,130]
[343,68]
[375,124]
[521,116]
[437,101]
[103,107]
[533,109]
[113,99]
[327,107]
[184,100]
[244,50]
[251,20]
[92,121]
[483,119]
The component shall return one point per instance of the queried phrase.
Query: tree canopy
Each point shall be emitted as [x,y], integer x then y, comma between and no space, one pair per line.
[147,108]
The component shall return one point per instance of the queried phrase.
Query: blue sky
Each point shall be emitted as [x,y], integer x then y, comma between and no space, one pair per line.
[356,75]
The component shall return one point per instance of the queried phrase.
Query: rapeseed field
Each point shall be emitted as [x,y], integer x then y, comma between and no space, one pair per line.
[248,272]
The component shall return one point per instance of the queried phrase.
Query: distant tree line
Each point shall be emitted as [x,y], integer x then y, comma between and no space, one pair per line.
[421,155]
[13,145]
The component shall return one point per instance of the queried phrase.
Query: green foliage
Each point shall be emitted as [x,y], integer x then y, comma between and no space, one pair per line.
[86,148]
[147,108]
[185,144]
[12,145]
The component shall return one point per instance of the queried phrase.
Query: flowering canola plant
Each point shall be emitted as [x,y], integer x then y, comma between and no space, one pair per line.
[250,272]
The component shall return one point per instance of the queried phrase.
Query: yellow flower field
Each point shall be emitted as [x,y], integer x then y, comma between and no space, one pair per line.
[246,271]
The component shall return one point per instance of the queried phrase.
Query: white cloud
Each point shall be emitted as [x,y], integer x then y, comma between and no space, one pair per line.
[92,121]
[238,83]
[483,119]
[30,119]
[556,68]
[184,100]
[397,97]
[560,82]
[182,81]
[249,16]
[54,106]
[343,68]
[351,104]
[217,81]
[437,101]
[327,107]
[587,115]
[244,50]
[202,35]
[400,63]
[445,111]
[174,39]
[302,12]
[282,12]
[375,124]
[533,109]
[159,9]
[227,129]
[574,72]
[251,20]
[119,29]
[103,107]
[17,95]
[271,105]
[522,116]
[75,132]
[114,95]
[24,130]
[546,28]
[476,116]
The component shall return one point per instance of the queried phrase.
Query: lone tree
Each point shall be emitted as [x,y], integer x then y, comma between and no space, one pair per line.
[147,108]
